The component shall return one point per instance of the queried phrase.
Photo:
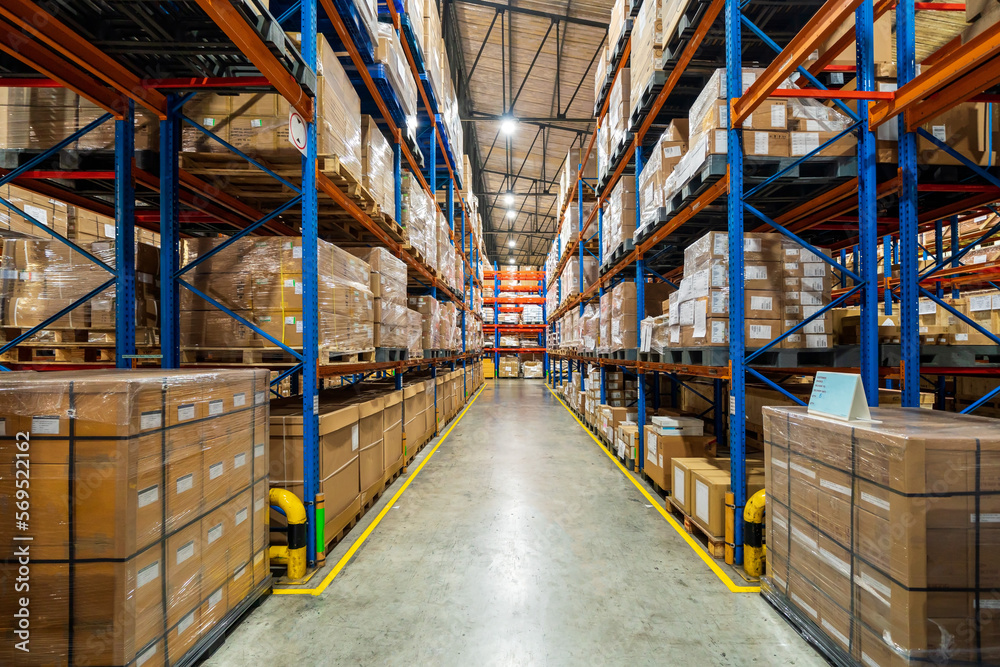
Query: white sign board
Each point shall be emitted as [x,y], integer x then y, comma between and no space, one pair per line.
[839,395]
[297,131]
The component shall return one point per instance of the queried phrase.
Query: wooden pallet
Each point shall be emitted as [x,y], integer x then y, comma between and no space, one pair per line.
[101,354]
[266,356]
[714,545]
[350,517]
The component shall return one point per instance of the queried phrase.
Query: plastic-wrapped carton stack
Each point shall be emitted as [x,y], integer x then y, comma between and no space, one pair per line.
[663,159]
[590,324]
[41,277]
[260,278]
[619,219]
[880,534]
[647,34]
[419,218]
[389,52]
[510,367]
[619,107]
[388,285]
[624,324]
[571,274]
[150,510]
[376,166]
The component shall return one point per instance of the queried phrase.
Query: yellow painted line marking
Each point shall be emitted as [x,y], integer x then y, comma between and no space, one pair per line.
[693,543]
[385,510]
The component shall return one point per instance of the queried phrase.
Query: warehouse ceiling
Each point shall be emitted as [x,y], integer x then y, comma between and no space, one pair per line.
[533,61]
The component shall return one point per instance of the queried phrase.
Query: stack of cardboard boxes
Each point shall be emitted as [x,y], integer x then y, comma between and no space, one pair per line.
[376,166]
[619,218]
[261,279]
[510,367]
[624,324]
[388,287]
[663,158]
[880,535]
[420,218]
[149,519]
[619,107]
[646,53]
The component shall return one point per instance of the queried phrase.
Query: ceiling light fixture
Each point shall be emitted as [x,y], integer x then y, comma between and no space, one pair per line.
[511,214]
[508,199]
[508,125]
[511,261]
[511,243]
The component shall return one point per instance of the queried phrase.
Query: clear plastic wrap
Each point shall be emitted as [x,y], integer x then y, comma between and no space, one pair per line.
[619,219]
[571,274]
[414,333]
[260,278]
[645,55]
[388,284]
[430,325]
[147,512]
[533,369]
[656,334]
[40,118]
[376,166]
[53,214]
[389,52]
[880,535]
[433,47]
[604,337]
[419,218]
[532,314]
[590,325]
[619,108]
[39,278]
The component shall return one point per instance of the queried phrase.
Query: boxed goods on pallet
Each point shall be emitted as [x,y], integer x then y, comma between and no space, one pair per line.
[388,287]
[257,123]
[433,47]
[574,218]
[661,450]
[533,369]
[624,323]
[571,274]
[376,166]
[42,277]
[389,52]
[880,534]
[646,54]
[419,218]
[603,150]
[51,213]
[510,367]
[438,322]
[590,325]
[618,23]
[601,68]
[40,118]
[260,278]
[663,159]
[619,106]
[619,218]
[149,508]
[445,253]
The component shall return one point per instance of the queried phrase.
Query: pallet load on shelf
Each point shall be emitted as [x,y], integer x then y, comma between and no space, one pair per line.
[40,118]
[603,151]
[257,123]
[618,110]
[532,314]
[359,450]
[414,334]
[618,22]
[433,46]
[646,54]
[533,369]
[601,68]
[619,219]
[419,218]
[510,367]
[673,436]
[570,229]
[389,52]
[568,188]
[590,325]
[571,275]
[624,325]
[784,284]
[591,397]
[880,535]
[149,493]
[663,159]
[445,253]
[376,167]
[438,322]
[509,318]
[260,278]
[42,277]
[388,285]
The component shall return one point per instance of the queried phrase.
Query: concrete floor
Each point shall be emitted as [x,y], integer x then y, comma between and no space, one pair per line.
[519,543]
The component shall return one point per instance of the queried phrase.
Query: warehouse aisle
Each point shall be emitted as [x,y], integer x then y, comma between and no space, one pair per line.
[519,543]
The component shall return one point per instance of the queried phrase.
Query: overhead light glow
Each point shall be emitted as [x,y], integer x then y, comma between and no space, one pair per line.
[508,199]
[511,214]
[511,261]
[508,125]
[511,243]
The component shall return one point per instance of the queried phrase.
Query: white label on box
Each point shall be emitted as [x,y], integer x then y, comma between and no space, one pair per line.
[760,332]
[100,304]
[256,122]
[927,307]
[989,604]
[258,450]
[109,231]
[152,419]
[45,425]
[720,303]
[962,337]
[804,142]
[980,303]
[297,252]
[791,252]
[258,504]
[792,308]
[791,266]
[185,483]
[837,78]
[979,259]
[940,132]
[825,623]
[923,329]
[794,338]
[777,115]
[986,517]
[298,287]
[650,448]
[761,303]
[208,122]
[760,143]
[354,437]
[185,623]
[802,469]
[149,495]
[814,269]
[145,656]
[720,141]
[678,483]
[804,606]
[810,299]
[215,470]
[239,460]
[185,412]
[722,115]
[720,275]
[700,319]
[239,572]
[701,500]
[215,598]
[298,327]
[672,151]
[686,314]
[38,213]
[289,319]
[215,407]
[214,533]
[241,515]
[720,244]
[239,400]
[751,244]
[874,500]
[718,332]
[779,463]
[147,574]
[259,397]
[185,552]
[812,284]
[996,302]
[755,272]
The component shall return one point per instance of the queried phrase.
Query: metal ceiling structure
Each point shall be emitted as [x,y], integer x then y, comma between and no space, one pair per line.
[540,57]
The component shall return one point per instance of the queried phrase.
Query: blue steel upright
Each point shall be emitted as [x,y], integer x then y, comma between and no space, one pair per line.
[909,336]
[737,391]
[125,238]
[170,131]
[640,314]
[310,302]
[867,213]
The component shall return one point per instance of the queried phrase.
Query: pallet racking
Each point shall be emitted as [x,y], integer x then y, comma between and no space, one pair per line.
[532,294]
[843,213]
[234,47]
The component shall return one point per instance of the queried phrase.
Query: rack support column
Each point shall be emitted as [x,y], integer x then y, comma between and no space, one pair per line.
[867,213]
[125,238]
[908,290]
[170,130]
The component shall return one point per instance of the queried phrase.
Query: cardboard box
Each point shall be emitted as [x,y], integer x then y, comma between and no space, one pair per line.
[661,450]
[772,143]
[680,474]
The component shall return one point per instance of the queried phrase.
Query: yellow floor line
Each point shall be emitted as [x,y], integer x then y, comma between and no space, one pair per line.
[385,510]
[723,577]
